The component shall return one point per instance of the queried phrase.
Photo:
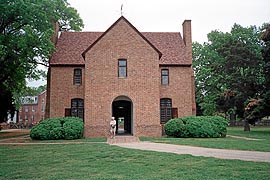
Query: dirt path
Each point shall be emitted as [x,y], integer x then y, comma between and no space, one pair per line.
[245,138]
[255,156]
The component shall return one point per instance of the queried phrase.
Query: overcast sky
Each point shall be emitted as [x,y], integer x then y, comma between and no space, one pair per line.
[168,15]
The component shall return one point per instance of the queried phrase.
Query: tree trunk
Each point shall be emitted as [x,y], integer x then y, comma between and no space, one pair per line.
[232,119]
[246,126]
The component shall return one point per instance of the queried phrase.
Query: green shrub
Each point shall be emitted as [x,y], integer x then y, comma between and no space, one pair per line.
[176,128]
[197,126]
[58,128]
[73,129]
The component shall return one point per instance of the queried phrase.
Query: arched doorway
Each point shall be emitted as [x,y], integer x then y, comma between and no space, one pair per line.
[122,111]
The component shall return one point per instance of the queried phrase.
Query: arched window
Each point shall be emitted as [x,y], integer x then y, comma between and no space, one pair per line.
[165,109]
[77,108]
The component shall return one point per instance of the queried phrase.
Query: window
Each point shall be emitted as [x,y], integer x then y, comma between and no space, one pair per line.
[33,109]
[164,76]
[122,68]
[77,77]
[26,108]
[42,100]
[42,108]
[77,108]
[165,110]
[33,118]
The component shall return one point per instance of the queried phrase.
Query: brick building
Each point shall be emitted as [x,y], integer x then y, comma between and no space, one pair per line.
[33,109]
[141,78]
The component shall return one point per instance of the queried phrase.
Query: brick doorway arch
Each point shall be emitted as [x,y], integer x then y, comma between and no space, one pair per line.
[122,110]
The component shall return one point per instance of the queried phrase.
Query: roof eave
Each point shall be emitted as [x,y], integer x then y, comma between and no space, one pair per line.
[179,65]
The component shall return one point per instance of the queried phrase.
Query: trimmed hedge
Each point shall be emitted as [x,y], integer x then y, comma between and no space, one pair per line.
[58,128]
[197,126]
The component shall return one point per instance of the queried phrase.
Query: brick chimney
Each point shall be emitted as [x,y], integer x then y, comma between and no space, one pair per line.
[187,39]
[54,37]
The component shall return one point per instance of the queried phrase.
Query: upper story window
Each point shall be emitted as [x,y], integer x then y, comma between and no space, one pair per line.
[164,76]
[77,77]
[26,108]
[122,68]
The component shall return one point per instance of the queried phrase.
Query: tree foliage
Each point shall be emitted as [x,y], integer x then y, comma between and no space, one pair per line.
[230,70]
[259,107]
[26,28]
[34,91]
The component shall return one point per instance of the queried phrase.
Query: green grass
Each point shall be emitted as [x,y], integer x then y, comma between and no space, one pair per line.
[102,161]
[103,139]
[256,132]
[226,143]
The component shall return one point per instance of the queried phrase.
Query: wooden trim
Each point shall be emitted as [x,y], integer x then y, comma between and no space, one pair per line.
[67,112]
[175,65]
[174,112]
[67,65]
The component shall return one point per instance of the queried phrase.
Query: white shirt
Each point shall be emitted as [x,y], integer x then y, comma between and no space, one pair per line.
[113,123]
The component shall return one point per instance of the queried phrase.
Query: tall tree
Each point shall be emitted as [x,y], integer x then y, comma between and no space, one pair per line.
[259,107]
[229,69]
[26,28]
[208,84]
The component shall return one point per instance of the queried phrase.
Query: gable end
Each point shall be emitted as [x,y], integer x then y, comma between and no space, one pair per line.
[122,18]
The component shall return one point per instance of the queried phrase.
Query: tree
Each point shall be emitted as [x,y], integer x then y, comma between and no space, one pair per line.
[208,83]
[26,28]
[259,107]
[229,70]
[34,91]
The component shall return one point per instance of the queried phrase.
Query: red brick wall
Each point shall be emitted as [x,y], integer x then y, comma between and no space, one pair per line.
[179,89]
[37,110]
[142,86]
[63,90]
[103,84]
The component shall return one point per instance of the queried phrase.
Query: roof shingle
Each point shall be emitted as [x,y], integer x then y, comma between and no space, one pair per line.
[71,45]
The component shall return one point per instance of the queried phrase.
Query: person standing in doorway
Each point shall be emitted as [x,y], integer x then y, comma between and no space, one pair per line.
[113,127]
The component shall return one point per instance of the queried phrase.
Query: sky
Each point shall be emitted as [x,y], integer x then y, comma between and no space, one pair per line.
[168,15]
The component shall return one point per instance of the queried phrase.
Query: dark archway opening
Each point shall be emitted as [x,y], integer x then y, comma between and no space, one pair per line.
[122,111]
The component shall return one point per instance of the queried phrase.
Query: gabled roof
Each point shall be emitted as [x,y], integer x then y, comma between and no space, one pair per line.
[120,19]
[72,46]
[171,45]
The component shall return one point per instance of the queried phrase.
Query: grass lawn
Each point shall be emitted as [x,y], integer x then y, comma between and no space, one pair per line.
[262,133]
[256,132]
[102,161]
